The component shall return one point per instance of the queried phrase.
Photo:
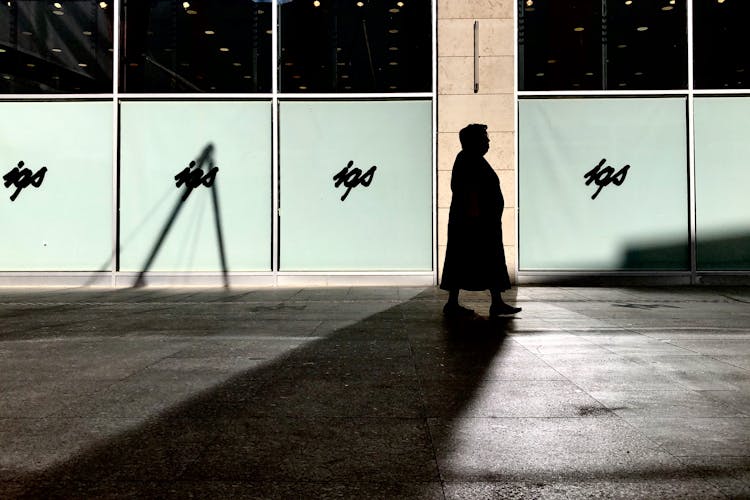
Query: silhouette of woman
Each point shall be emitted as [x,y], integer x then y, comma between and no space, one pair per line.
[475,258]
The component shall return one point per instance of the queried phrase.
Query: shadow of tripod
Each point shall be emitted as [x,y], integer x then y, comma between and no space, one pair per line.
[192,177]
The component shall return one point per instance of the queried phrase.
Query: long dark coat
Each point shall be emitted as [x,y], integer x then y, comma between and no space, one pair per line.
[475,258]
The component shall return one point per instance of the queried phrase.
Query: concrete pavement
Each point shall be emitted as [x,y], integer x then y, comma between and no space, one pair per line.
[370,393]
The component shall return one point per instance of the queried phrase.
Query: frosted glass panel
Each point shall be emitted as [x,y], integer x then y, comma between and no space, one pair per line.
[159,141]
[630,212]
[61,217]
[384,221]
[722,177]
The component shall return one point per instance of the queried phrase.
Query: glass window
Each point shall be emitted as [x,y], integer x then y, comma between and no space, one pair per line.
[56,188]
[356,186]
[720,48]
[197,46]
[174,205]
[602,45]
[55,47]
[603,184]
[722,146]
[356,46]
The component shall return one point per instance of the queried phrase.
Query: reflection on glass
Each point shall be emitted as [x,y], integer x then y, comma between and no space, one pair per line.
[637,220]
[197,46]
[356,46]
[602,45]
[721,179]
[720,44]
[61,47]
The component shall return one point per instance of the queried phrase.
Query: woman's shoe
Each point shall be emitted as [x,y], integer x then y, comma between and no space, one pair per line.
[503,310]
[457,311]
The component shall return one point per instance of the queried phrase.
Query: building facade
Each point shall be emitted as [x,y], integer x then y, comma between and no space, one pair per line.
[301,142]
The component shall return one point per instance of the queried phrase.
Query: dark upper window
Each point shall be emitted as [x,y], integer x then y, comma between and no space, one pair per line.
[196,46]
[355,46]
[55,47]
[602,44]
[721,40]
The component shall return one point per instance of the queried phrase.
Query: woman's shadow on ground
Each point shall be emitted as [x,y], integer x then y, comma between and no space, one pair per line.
[346,415]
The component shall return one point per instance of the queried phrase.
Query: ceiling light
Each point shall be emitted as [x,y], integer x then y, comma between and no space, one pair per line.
[247,77]
[400,4]
[540,74]
[529,2]
[393,31]
[236,64]
[103,5]
[223,49]
[191,12]
[58,12]
[302,87]
[589,74]
[393,87]
[393,11]
[360,4]
[667,7]
[31,65]
[393,48]
[393,63]
[57,5]
[209,32]
[55,49]
[622,46]
[316,3]
[642,28]
[551,61]
[720,1]
[83,65]
[579,28]
[87,33]
[628,2]
[2,50]
[185,5]
[638,73]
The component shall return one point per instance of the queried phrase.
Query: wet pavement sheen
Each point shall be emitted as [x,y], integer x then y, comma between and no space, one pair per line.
[370,393]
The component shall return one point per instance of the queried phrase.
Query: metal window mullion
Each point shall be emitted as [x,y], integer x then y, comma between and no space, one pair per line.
[692,214]
[517,14]
[433,97]
[115,255]
[275,150]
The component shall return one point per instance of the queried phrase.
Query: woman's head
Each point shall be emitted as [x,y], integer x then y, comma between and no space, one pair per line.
[474,138]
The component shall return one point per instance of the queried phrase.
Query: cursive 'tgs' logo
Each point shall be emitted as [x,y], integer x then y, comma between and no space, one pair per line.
[604,176]
[353,178]
[193,177]
[21,178]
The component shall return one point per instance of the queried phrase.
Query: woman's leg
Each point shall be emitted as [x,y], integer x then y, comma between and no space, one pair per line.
[452,307]
[499,307]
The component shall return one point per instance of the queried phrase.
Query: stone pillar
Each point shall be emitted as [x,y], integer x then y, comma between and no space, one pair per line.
[493,105]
